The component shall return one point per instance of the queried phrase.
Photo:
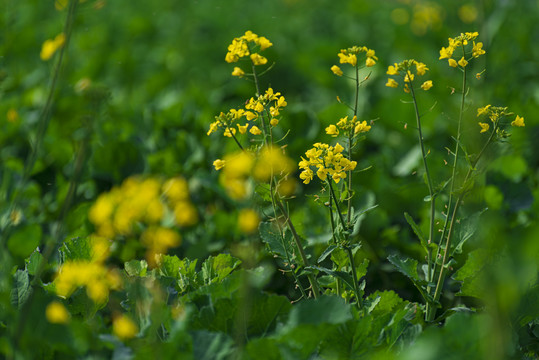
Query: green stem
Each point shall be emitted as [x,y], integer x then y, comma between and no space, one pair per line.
[429,185]
[443,268]
[430,313]
[42,128]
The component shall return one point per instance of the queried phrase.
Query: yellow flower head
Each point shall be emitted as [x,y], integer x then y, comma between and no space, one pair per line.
[238,72]
[219,164]
[336,70]
[484,127]
[56,313]
[426,85]
[248,221]
[519,121]
[51,46]
[392,83]
[124,328]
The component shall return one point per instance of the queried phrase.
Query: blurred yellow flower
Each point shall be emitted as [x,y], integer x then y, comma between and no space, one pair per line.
[219,164]
[336,70]
[248,221]
[51,46]
[426,85]
[484,127]
[238,72]
[124,328]
[56,313]
[519,121]
[392,83]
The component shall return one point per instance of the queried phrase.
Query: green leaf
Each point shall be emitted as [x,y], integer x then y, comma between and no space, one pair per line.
[408,267]
[344,276]
[21,288]
[79,248]
[216,268]
[326,253]
[211,345]
[324,310]
[34,262]
[417,231]
[169,266]
[270,235]
[23,241]
[472,274]
[467,228]
[136,268]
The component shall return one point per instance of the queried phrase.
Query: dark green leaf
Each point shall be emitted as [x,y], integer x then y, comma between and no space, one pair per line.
[408,267]
[270,235]
[34,262]
[21,288]
[344,276]
[326,253]
[79,248]
[25,240]
[417,231]
[324,310]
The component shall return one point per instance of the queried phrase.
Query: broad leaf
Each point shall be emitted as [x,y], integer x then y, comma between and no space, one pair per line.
[136,267]
[270,235]
[25,240]
[21,288]
[417,231]
[408,267]
[79,248]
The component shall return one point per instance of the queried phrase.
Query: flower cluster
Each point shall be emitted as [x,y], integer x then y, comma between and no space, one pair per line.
[350,55]
[145,204]
[247,45]
[348,127]
[328,160]
[50,46]
[408,69]
[239,167]
[267,106]
[90,273]
[462,41]
[495,114]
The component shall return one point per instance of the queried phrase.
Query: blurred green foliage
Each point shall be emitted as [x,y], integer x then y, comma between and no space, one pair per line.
[139,85]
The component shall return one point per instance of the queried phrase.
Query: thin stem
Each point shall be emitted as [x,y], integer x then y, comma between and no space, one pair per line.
[431,311]
[42,128]
[443,268]
[44,117]
[297,240]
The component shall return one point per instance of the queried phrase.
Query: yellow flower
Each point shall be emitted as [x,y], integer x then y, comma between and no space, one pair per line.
[56,313]
[219,164]
[477,49]
[177,189]
[452,62]
[426,85]
[362,127]
[484,127]
[519,121]
[392,83]
[185,214]
[348,59]
[409,77]
[421,68]
[238,72]
[255,130]
[258,59]
[249,115]
[332,130]
[124,328]
[274,122]
[393,69]
[336,70]
[446,52]
[242,128]
[264,43]
[483,110]
[306,175]
[248,221]
[50,46]
[463,62]
[370,62]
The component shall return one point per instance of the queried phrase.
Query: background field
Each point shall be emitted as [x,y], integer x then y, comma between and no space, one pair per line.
[160,68]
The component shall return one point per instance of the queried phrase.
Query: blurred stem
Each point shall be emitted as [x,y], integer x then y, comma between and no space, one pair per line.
[277,201]
[430,313]
[42,128]
[432,196]
[44,117]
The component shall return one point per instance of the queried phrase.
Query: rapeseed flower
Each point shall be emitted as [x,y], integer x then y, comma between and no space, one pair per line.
[328,161]
[51,46]
[56,313]
[350,56]
[248,221]
[462,41]
[408,69]
[124,328]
